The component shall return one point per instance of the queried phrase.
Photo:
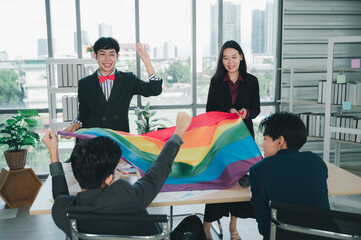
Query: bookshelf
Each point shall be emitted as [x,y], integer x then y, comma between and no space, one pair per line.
[330,77]
[318,134]
[62,84]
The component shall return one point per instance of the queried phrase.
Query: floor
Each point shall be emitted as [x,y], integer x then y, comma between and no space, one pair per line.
[17,224]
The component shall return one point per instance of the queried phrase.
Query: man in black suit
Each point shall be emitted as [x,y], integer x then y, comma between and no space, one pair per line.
[104,97]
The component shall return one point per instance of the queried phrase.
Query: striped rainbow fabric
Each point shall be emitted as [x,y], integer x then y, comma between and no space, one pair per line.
[218,150]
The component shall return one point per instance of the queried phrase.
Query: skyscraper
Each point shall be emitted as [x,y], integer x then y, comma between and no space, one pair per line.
[258,31]
[42,48]
[269,27]
[263,29]
[231,25]
[105,30]
[84,40]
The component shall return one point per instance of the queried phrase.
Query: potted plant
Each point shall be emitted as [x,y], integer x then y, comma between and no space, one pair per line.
[90,49]
[144,122]
[18,131]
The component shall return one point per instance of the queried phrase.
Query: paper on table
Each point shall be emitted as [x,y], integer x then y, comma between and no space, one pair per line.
[181,195]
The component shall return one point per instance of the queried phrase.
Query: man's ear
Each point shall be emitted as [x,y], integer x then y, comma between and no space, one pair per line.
[95,55]
[282,143]
[109,179]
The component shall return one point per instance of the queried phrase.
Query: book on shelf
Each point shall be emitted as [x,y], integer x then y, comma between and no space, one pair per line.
[347,125]
[69,74]
[340,92]
[70,108]
[351,91]
[333,124]
[358,137]
[320,91]
[338,124]
[317,125]
[322,122]
[75,106]
[334,93]
[358,94]
[343,125]
[64,101]
[353,125]
[65,76]
[59,71]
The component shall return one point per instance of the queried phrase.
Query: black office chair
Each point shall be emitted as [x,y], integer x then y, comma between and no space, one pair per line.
[117,227]
[291,221]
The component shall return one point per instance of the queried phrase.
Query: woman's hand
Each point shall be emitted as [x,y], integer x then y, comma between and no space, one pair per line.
[233,110]
[243,113]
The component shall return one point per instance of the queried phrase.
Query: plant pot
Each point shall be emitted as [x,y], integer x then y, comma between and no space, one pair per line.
[16,160]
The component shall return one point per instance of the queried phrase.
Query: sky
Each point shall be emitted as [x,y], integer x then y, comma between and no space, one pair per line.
[161,21]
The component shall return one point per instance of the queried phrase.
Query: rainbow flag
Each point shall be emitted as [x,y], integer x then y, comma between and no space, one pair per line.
[218,150]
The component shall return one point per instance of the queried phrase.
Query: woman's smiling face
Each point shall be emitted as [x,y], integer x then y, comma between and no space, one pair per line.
[231,60]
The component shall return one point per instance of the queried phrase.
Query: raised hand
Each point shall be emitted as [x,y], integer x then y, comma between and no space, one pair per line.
[142,52]
[183,122]
[51,142]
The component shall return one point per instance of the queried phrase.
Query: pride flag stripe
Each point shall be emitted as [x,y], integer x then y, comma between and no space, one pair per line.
[217,151]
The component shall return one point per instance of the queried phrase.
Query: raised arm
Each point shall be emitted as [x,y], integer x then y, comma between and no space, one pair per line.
[143,54]
[60,186]
[51,142]
[147,188]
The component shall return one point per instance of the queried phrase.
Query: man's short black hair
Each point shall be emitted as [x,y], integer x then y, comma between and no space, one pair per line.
[106,43]
[285,124]
[93,160]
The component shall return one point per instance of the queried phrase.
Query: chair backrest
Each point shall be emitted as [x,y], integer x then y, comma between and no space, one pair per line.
[291,221]
[92,225]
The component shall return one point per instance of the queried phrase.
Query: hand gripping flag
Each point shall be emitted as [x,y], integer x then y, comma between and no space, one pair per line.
[218,150]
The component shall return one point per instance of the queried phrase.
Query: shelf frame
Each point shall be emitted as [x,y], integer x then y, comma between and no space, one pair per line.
[330,69]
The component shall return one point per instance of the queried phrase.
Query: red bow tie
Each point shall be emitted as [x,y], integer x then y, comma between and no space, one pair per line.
[103,78]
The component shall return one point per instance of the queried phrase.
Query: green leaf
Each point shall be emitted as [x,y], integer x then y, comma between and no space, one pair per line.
[11,121]
[147,106]
[31,122]
[138,111]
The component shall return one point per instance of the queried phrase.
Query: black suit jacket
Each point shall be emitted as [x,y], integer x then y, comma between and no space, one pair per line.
[95,111]
[120,197]
[219,98]
[289,176]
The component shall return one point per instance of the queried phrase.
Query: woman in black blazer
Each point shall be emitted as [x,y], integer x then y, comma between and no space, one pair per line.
[232,90]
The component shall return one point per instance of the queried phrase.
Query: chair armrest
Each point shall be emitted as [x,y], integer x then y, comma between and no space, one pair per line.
[117,217]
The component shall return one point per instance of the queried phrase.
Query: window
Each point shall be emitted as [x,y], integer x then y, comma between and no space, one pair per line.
[165,26]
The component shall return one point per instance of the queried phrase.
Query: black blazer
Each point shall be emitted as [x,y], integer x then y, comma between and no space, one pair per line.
[219,98]
[289,176]
[95,111]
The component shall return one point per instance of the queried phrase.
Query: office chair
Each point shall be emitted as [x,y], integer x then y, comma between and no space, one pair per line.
[92,225]
[291,221]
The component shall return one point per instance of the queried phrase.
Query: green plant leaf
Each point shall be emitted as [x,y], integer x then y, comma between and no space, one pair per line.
[17,129]
[138,111]
[147,106]
[11,121]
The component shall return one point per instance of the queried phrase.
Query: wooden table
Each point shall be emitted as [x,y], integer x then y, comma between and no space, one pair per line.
[340,182]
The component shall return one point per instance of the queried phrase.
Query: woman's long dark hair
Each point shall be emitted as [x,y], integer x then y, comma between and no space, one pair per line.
[221,71]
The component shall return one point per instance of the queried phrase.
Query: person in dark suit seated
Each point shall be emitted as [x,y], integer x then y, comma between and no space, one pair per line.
[104,96]
[286,174]
[93,163]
